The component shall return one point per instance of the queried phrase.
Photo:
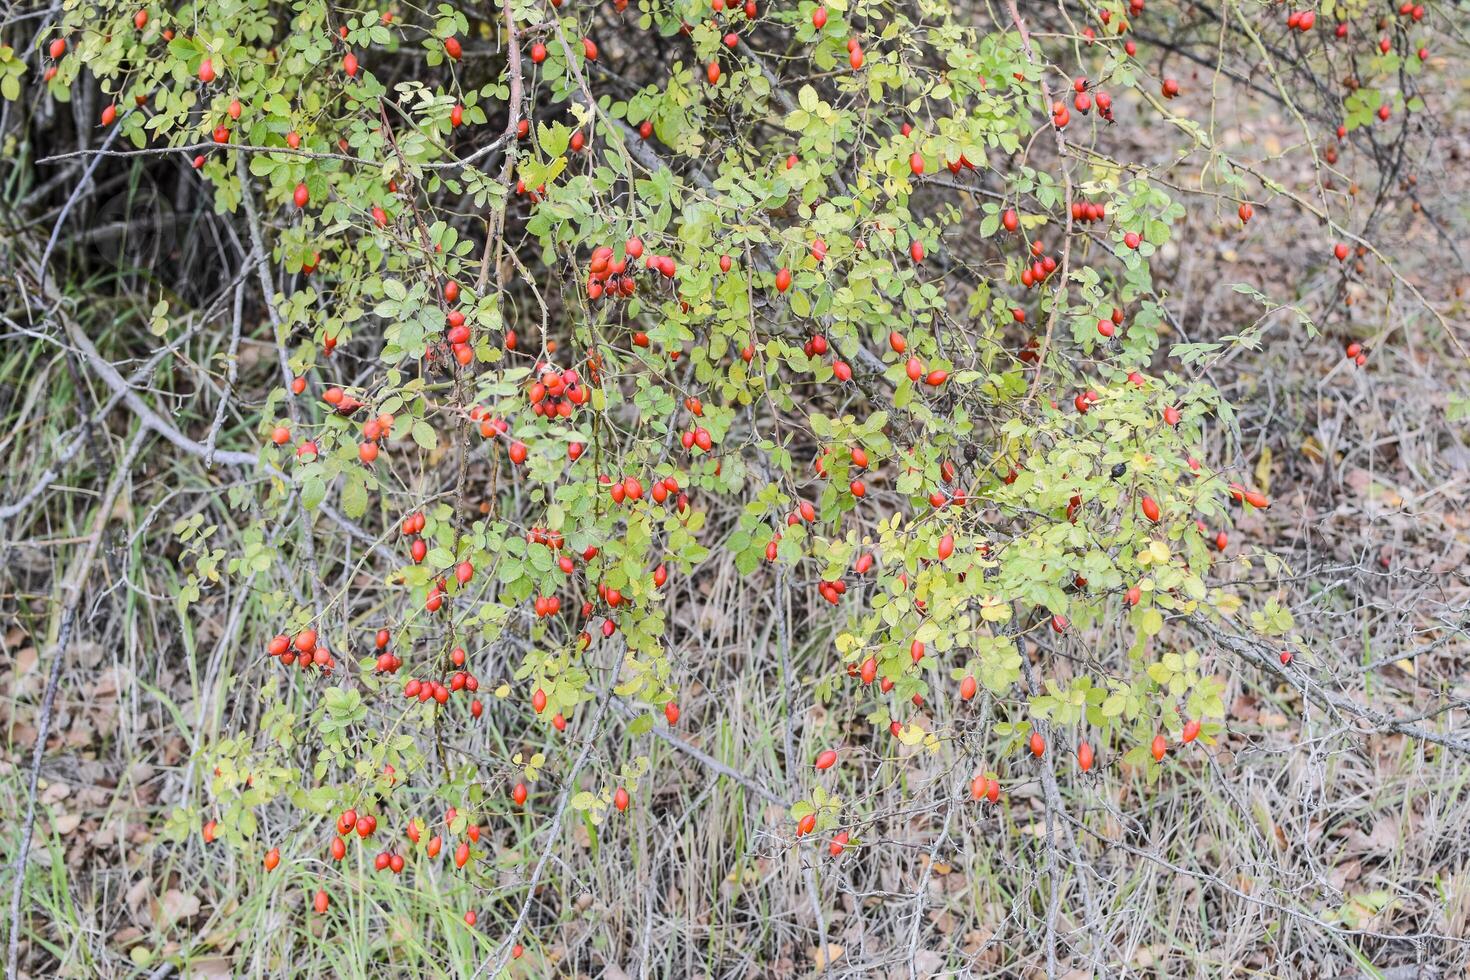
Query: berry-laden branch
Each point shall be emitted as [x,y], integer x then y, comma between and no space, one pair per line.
[1063,164]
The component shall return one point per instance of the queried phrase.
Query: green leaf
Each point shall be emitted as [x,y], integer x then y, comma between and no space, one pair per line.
[1150,622]
[423,433]
[354,495]
[313,492]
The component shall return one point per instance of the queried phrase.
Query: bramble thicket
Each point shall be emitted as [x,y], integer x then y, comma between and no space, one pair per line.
[702,489]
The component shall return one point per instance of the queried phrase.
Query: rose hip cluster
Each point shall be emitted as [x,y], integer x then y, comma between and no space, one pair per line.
[555,393]
[304,650]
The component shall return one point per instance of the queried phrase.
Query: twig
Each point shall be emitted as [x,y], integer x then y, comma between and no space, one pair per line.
[1263,656]
[709,761]
[501,955]
[1319,212]
[248,149]
[494,239]
[1064,266]
[71,593]
[783,651]
[144,413]
[69,452]
[1053,806]
[76,194]
[232,373]
[922,888]
[152,420]
[279,334]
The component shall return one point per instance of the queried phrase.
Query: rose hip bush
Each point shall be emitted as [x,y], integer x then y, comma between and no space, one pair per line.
[573,301]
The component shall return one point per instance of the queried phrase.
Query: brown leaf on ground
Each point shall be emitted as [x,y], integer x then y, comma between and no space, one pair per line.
[173,907]
[821,959]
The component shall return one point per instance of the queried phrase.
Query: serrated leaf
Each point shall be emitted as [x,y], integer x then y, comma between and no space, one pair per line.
[313,492]
[354,495]
[424,435]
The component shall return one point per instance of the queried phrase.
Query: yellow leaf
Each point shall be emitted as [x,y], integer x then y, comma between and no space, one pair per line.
[1263,471]
[993,610]
[822,958]
[1151,622]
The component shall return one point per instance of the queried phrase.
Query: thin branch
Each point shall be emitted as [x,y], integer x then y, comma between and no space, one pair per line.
[501,955]
[709,761]
[1053,807]
[232,373]
[1063,268]
[248,149]
[71,592]
[783,652]
[1298,675]
[53,472]
[152,420]
[76,194]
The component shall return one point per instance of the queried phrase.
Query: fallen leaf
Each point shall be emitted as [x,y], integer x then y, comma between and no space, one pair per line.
[821,959]
[127,936]
[175,906]
[927,963]
[209,968]
[54,793]
[25,661]
[137,894]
